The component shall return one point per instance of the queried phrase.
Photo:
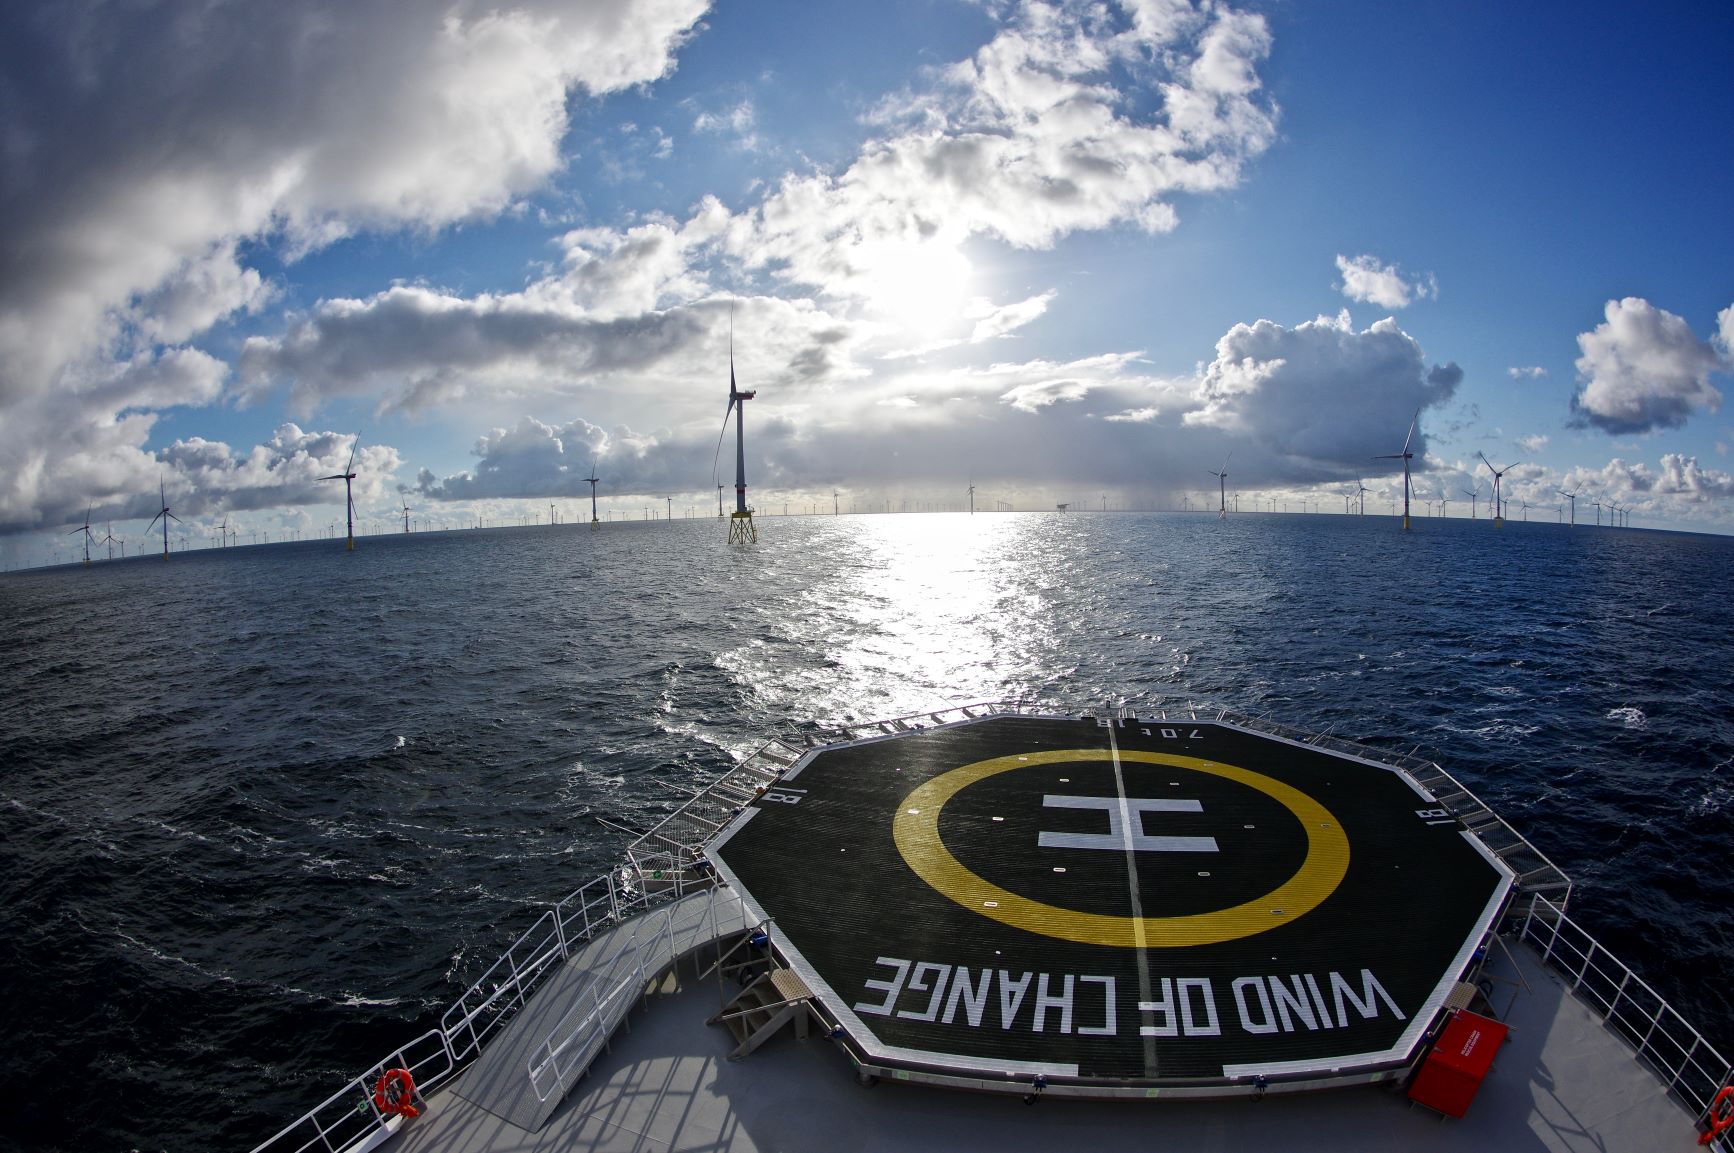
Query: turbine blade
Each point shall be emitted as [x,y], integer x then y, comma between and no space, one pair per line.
[154,520]
[353,449]
[1412,422]
[716,457]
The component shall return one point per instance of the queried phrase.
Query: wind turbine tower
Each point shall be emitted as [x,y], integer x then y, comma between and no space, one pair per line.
[86,531]
[1361,491]
[1571,496]
[1405,456]
[1222,488]
[834,507]
[165,516]
[406,516]
[1498,474]
[1473,494]
[346,476]
[972,500]
[741,529]
[592,478]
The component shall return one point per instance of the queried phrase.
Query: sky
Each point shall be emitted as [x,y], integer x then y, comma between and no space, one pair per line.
[1090,253]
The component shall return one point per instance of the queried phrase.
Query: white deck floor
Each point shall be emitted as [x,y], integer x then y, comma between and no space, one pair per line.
[1563,1082]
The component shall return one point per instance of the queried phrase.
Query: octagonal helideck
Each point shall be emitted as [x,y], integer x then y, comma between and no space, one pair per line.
[1118,906]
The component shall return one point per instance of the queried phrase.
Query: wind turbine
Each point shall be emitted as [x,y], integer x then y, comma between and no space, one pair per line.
[1405,456]
[741,529]
[1571,496]
[1473,494]
[1598,505]
[346,476]
[1498,473]
[109,540]
[86,531]
[1444,501]
[835,510]
[1222,487]
[1361,491]
[1525,511]
[592,478]
[972,500]
[165,516]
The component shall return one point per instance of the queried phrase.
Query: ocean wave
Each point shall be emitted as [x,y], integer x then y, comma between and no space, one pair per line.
[1631,718]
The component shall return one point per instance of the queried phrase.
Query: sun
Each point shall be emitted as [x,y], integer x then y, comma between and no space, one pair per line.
[919,288]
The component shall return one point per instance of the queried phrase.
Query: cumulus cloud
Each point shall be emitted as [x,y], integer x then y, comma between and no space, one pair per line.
[1529,372]
[1366,279]
[1533,444]
[309,119]
[1683,475]
[1034,137]
[288,469]
[536,459]
[1642,368]
[147,151]
[1321,394]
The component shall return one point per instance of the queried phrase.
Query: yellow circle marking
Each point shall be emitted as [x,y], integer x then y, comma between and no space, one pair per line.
[916,832]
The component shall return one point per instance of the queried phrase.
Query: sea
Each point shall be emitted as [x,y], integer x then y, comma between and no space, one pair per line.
[266,811]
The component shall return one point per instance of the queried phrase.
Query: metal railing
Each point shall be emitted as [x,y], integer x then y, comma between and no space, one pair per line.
[598,1006]
[1678,1054]
[349,1117]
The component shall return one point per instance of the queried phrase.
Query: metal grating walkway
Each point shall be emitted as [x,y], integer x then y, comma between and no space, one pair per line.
[582,1004]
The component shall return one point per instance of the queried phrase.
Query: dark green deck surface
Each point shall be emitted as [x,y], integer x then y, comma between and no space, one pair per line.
[934,981]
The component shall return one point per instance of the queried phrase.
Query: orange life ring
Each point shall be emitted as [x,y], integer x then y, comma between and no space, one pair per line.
[395,1093]
[1721,1115]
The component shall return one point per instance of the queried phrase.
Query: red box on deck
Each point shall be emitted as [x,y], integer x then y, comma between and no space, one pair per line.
[1458,1063]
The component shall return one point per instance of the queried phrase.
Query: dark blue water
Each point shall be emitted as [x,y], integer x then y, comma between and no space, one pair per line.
[265,812]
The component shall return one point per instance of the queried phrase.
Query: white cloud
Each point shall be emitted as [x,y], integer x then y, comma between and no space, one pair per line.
[1365,279]
[138,172]
[1642,369]
[737,122]
[418,348]
[993,321]
[1029,140]
[1684,476]
[1531,372]
[1533,444]
[1320,394]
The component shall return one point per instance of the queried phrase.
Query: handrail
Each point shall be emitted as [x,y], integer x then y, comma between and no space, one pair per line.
[625,970]
[1677,1053]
